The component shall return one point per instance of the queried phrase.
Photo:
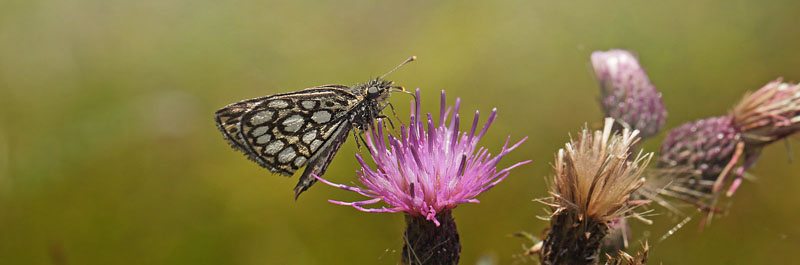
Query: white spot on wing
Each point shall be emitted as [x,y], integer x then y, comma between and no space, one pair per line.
[260,130]
[308,104]
[293,123]
[286,155]
[315,144]
[321,116]
[261,117]
[263,139]
[309,136]
[300,161]
[274,147]
[278,104]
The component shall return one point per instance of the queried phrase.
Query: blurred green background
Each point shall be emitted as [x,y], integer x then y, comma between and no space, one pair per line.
[109,154]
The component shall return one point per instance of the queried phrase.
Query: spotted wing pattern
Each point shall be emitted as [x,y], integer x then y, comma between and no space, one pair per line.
[228,119]
[284,132]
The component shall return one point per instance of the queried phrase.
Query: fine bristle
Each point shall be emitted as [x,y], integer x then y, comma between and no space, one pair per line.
[594,175]
[769,114]
[623,258]
[592,186]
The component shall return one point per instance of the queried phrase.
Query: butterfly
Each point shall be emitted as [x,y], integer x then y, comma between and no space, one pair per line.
[284,132]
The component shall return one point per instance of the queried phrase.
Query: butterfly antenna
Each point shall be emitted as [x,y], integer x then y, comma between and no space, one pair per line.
[410,59]
[403,90]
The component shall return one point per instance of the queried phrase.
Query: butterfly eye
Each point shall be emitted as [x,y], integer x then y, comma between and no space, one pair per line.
[372,90]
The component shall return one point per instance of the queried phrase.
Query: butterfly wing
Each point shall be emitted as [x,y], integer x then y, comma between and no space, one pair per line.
[228,119]
[284,132]
[319,163]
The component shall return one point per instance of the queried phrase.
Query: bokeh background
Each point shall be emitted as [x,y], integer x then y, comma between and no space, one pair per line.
[109,154]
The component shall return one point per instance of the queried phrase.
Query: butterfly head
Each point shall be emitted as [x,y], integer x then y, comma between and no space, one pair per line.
[378,89]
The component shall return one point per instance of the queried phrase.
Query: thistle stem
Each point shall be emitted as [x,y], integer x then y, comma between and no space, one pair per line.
[428,244]
[573,240]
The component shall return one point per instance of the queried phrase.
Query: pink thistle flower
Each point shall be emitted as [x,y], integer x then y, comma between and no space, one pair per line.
[429,168]
[425,172]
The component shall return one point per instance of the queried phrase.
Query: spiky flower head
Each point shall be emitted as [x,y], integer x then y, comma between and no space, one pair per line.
[593,174]
[593,182]
[769,114]
[429,168]
[627,94]
[425,172]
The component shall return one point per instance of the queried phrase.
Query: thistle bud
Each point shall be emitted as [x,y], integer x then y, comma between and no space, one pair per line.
[626,92]
[704,146]
[697,157]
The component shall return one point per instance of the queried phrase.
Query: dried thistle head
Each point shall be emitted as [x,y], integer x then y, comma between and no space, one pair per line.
[769,114]
[594,176]
[592,186]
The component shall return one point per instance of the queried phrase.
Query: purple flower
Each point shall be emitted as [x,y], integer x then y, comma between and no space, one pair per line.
[626,92]
[429,168]
[698,157]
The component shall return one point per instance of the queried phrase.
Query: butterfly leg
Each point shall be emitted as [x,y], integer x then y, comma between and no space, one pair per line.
[389,104]
[391,125]
[359,138]
[356,136]
[381,116]
[384,117]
